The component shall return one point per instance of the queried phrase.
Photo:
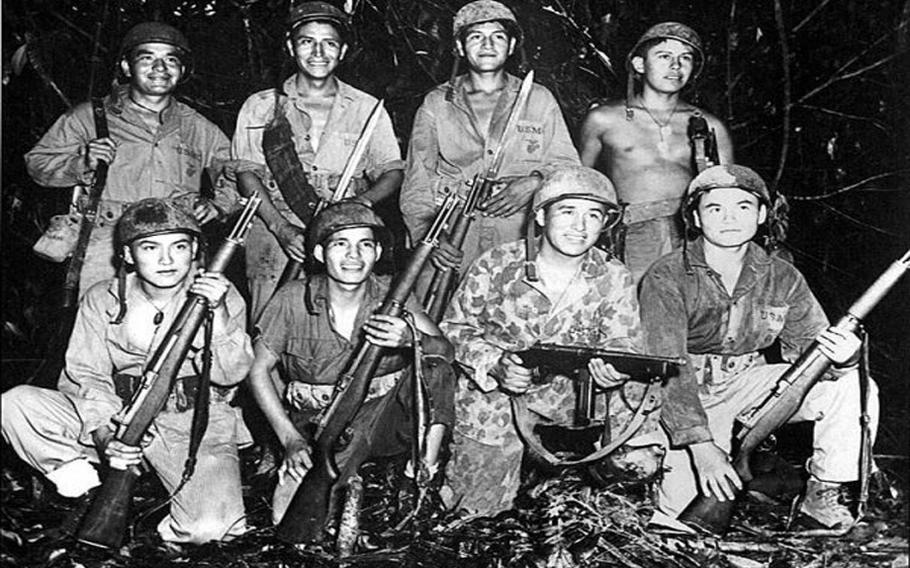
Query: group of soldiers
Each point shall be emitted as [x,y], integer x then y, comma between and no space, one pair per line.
[529,273]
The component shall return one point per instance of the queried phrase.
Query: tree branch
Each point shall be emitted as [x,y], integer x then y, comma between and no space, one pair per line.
[846,188]
[785,63]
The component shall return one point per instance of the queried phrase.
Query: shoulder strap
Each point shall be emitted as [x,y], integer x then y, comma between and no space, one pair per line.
[71,284]
[524,422]
[284,163]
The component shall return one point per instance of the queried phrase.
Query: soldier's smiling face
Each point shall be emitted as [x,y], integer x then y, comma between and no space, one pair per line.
[349,255]
[572,225]
[486,46]
[154,69]
[318,48]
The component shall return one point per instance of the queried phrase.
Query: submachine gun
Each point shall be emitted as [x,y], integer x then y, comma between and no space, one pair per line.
[106,520]
[712,516]
[308,511]
[443,283]
[550,359]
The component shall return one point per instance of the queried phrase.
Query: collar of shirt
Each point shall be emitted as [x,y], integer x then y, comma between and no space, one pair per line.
[500,112]
[118,103]
[755,264]
[133,293]
[343,96]
[317,295]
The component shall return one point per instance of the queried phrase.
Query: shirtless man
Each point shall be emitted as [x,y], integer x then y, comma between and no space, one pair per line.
[642,144]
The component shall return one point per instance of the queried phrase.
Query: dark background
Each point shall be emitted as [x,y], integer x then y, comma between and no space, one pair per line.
[815,93]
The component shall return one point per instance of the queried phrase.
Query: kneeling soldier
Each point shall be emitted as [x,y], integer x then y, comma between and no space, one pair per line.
[580,297]
[312,326]
[721,301]
[63,433]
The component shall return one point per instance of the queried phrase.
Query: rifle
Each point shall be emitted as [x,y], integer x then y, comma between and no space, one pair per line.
[443,282]
[708,514]
[106,520]
[307,512]
[293,267]
[573,362]
[704,143]
[69,300]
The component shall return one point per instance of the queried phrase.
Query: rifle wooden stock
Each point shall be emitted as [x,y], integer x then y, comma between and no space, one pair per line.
[105,522]
[305,518]
[711,515]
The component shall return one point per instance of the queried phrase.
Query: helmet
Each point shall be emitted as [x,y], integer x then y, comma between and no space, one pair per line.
[157,32]
[578,182]
[670,30]
[316,11]
[481,11]
[154,216]
[344,215]
[724,176]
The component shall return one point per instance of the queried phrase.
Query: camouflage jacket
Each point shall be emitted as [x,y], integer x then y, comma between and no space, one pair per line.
[497,310]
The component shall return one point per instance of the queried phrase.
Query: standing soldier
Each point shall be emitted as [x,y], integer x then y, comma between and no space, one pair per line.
[158,146]
[312,327]
[292,143]
[580,297]
[457,127]
[642,144]
[120,324]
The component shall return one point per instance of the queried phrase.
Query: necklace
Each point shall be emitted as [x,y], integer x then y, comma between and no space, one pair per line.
[663,128]
[159,311]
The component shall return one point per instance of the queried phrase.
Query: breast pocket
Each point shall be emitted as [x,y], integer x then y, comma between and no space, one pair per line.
[770,321]
[530,140]
[188,162]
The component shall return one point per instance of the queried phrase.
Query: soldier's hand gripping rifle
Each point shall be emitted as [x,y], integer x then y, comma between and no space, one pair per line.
[106,520]
[306,515]
[711,515]
[293,267]
[443,282]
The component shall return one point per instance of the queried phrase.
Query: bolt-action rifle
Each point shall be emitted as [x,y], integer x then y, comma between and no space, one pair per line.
[308,511]
[443,282]
[710,515]
[106,520]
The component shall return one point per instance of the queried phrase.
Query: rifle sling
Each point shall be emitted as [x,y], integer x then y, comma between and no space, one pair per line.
[89,212]
[201,406]
[284,163]
[525,422]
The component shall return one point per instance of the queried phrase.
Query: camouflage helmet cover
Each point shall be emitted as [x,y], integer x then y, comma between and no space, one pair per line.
[154,32]
[344,215]
[481,11]
[725,176]
[316,11]
[575,182]
[670,30]
[154,216]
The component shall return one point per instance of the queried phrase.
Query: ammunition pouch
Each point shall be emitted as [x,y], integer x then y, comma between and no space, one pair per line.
[183,393]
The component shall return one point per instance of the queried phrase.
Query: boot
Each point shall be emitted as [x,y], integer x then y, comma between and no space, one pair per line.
[824,503]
